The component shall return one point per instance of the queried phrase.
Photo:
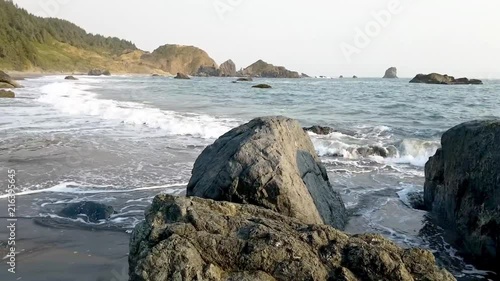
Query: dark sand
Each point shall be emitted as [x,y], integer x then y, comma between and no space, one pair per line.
[58,252]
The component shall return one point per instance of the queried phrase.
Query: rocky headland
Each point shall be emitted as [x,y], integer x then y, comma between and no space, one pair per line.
[266,70]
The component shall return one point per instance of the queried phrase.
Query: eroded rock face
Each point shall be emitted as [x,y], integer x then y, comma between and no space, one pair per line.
[436,78]
[200,239]
[391,73]
[269,162]
[462,188]
[227,69]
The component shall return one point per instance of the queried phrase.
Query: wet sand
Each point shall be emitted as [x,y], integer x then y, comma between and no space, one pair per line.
[58,252]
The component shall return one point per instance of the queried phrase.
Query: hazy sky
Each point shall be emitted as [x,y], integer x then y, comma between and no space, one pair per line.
[318,37]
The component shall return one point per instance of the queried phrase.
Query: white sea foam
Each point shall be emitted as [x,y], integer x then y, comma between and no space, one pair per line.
[415,152]
[78,188]
[76,99]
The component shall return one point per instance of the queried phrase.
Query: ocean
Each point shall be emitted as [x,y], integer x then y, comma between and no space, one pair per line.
[121,140]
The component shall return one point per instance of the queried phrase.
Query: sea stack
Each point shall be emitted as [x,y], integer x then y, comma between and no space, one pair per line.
[227,69]
[391,73]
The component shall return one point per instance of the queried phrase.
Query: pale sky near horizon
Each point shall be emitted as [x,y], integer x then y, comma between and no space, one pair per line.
[457,37]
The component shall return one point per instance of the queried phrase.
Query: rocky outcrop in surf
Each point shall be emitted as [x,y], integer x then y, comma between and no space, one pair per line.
[262,86]
[436,78]
[91,211]
[7,82]
[320,130]
[391,73]
[182,76]
[70,78]
[263,69]
[462,189]
[269,162]
[227,69]
[99,72]
[7,94]
[197,239]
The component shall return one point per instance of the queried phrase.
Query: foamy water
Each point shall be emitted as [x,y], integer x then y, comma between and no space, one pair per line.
[122,140]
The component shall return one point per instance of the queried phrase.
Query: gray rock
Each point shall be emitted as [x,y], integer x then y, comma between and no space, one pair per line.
[269,162]
[70,78]
[7,82]
[462,189]
[227,69]
[92,210]
[320,130]
[391,73]
[436,78]
[262,86]
[182,76]
[244,79]
[185,239]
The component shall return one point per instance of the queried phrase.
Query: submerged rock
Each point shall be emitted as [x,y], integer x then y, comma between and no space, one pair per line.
[94,211]
[269,162]
[244,79]
[462,189]
[391,73]
[416,200]
[320,130]
[186,239]
[262,86]
[182,76]
[355,77]
[7,94]
[70,78]
[436,78]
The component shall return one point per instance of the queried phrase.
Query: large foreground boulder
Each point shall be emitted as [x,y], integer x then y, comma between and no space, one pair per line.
[436,78]
[391,73]
[184,239]
[269,162]
[462,188]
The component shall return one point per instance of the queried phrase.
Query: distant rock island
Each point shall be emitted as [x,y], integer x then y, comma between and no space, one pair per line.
[436,78]
[391,73]
[266,70]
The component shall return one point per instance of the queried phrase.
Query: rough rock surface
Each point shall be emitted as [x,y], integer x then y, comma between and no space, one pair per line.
[94,211]
[208,71]
[263,69]
[227,69]
[462,188]
[269,162]
[70,78]
[320,130]
[184,239]
[391,73]
[7,94]
[181,76]
[435,78]
[262,86]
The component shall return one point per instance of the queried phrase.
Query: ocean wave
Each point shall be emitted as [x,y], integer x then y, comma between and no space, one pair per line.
[76,99]
[377,145]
